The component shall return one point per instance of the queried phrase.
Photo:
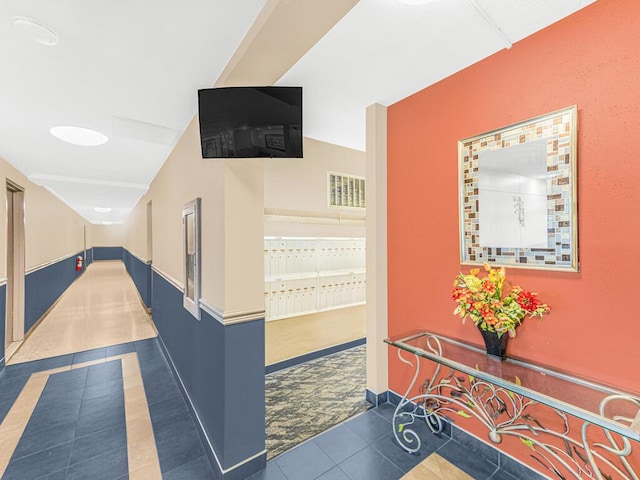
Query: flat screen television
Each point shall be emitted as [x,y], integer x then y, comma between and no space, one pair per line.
[248,122]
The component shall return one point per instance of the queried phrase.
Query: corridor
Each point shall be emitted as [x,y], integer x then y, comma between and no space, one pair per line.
[90,394]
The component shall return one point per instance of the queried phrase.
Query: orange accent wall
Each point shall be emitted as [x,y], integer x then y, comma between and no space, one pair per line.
[591,59]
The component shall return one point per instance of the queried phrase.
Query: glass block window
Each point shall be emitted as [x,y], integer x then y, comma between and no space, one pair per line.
[346,190]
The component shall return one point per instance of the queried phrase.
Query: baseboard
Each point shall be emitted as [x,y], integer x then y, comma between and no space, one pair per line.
[239,471]
[376,399]
[506,462]
[290,362]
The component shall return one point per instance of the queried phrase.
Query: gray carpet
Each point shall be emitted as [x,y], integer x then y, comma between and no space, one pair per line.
[307,399]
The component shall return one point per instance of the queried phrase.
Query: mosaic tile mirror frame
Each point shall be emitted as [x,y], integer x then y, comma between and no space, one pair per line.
[518,194]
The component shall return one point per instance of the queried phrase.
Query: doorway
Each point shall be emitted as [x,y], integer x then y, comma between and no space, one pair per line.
[15,269]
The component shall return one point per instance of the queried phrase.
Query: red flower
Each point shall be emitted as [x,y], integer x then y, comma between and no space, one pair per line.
[527,301]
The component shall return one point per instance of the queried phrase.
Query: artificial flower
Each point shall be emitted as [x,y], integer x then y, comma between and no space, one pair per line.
[492,305]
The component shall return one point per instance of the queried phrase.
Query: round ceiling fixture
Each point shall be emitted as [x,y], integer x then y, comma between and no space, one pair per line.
[102,209]
[79,135]
[36,31]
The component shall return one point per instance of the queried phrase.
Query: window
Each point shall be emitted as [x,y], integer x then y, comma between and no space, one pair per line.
[346,190]
[191,240]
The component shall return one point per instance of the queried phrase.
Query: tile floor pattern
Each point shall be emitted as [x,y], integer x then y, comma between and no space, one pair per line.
[363,448]
[111,413]
[117,413]
[307,399]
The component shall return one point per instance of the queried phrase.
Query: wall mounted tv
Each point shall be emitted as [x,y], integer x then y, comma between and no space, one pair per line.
[247,122]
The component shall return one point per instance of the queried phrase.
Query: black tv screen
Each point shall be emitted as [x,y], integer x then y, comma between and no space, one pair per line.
[247,122]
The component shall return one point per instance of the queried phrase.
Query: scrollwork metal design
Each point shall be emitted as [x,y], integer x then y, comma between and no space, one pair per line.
[504,412]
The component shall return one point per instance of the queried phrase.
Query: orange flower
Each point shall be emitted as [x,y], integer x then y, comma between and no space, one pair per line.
[489,287]
[491,303]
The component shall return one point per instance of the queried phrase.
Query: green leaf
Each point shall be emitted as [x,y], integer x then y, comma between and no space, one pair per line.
[518,382]
[463,414]
[401,427]
[471,404]
[528,443]
[471,378]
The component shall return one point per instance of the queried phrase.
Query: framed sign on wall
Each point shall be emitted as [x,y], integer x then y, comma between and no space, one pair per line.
[518,194]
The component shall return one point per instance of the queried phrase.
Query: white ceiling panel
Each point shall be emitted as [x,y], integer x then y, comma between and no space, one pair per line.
[143,61]
[383,51]
[131,70]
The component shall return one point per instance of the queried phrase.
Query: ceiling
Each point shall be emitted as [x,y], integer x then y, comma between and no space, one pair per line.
[131,71]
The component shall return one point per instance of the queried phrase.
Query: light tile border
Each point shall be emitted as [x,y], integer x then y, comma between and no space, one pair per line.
[434,466]
[143,462]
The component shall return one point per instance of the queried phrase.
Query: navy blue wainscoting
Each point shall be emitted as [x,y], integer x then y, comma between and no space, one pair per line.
[222,370]
[107,253]
[44,286]
[3,319]
[140,273]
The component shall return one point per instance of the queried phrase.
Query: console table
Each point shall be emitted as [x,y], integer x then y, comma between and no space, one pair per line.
[501,393]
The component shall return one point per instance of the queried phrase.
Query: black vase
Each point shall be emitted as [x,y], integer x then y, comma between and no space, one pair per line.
[495,346]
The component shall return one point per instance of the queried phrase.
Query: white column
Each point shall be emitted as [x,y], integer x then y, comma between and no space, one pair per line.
[376,200]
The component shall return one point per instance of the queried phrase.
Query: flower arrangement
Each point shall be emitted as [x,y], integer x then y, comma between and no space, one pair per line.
[492,305]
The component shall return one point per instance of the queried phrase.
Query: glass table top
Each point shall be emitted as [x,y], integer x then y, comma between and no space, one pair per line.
[576,396]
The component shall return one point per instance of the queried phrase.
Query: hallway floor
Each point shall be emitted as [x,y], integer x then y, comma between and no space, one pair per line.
[99,309]
[108,413]
[89,394]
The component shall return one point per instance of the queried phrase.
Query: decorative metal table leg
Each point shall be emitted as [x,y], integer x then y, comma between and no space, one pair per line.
[503,412]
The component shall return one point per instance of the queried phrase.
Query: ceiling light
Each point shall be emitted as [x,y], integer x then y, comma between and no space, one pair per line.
[36,31]
[79,135]
[102,209]
[107,223]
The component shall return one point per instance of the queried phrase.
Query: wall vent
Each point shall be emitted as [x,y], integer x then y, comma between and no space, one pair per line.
[345,190]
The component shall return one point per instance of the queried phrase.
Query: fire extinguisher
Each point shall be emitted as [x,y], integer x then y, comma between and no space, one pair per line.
[78,263]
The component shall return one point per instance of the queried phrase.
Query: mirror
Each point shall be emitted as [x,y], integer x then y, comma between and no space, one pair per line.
[518,194]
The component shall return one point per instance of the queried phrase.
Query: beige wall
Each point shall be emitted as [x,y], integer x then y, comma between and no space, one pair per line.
[183,177]
[135,230]
[107,235]
[299,186]
[52,230]
[231,190]
[232,230]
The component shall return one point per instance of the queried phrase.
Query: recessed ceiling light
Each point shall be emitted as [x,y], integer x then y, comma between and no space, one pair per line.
[107,223]
[78,135]
[36,31]
[102,209]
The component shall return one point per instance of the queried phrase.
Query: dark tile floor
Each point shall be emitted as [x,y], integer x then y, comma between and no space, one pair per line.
[363,448]
[77,429]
